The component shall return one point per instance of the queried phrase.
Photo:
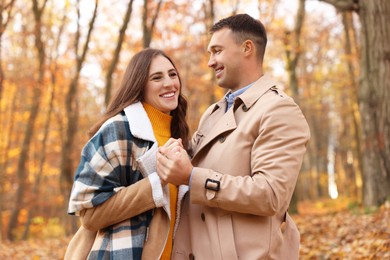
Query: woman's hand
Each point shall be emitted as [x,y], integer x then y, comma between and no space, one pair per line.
[173,163]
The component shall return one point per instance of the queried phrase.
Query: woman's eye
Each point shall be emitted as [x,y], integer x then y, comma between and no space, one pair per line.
[156,78]
[173,74]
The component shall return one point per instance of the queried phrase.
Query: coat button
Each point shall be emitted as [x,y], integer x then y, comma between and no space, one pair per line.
[202,217]
[191,256]
[245,108]
[222,139]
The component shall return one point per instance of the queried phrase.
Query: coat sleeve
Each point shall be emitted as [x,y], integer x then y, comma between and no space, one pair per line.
[126,203]
[108,187]
[276,157]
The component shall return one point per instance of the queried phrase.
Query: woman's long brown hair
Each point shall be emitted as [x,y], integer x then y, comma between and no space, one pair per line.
[132,90]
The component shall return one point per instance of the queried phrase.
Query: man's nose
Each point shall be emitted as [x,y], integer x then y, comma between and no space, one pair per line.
[211,62]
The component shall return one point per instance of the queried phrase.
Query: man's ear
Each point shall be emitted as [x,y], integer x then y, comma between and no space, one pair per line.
[248,47]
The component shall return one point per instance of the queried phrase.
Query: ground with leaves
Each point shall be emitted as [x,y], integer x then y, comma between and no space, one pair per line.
[345,234]
[327,232]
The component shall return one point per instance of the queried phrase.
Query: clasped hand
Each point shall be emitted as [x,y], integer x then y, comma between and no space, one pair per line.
[173,163]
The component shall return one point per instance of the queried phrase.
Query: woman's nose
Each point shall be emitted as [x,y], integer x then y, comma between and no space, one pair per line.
[167,82]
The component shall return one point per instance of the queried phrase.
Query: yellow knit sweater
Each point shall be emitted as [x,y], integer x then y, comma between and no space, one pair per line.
[161,124]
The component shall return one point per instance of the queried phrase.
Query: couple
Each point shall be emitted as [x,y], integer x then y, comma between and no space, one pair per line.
[144,191]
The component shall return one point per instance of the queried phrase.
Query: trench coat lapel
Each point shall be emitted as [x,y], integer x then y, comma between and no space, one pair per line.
[219,122]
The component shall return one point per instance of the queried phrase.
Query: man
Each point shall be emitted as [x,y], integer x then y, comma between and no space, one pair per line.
[248,151]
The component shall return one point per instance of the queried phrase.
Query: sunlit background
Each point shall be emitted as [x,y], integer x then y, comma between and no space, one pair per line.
[61,61]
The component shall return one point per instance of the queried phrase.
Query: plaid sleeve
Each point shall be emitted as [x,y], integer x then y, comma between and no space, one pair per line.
[104,166]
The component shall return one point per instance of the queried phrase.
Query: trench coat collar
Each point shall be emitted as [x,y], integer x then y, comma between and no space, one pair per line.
[251,95]
[224,122]
[262,85]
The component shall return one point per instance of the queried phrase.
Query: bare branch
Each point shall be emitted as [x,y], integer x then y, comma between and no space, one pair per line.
[344,5]
[114,62]
[8,7]
[155,16]
[90,29]
[78,33]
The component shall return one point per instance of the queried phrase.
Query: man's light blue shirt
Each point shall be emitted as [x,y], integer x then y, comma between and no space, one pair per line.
[231,96]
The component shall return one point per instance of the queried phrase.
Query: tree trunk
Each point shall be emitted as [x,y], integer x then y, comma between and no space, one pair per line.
[209,13]
[115,59]
[72,114]
[374,96]
[22,170]
[42,156]
[4,20]
[148,27]
[374,93]
[293,52]
[5,153]
[353,168]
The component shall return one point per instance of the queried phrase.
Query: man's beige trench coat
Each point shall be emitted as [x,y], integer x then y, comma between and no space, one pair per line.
[246,162]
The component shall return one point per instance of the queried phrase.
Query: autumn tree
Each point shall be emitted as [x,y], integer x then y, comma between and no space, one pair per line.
[293,51]
[117,51]
[209,19]
[22,170]
[350,138]
[5,17]
[72,109]
[374,93]
[49,104]
[149,19]
[150,14]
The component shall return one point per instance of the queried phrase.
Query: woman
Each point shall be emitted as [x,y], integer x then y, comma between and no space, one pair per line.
[117,192]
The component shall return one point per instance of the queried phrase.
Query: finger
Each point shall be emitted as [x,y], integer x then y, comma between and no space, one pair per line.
[180,141]
[161,153]
[169,142]
[173,143]
[172,146]
[162,158]
[179,152]
[171,151]
[176,150]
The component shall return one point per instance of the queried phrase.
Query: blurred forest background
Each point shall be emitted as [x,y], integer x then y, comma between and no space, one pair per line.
[60,61]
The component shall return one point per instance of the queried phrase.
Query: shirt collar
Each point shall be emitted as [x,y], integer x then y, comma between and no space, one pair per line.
[231,96]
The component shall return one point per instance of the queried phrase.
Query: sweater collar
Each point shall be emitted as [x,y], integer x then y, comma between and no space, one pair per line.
[139,122]
[161,123]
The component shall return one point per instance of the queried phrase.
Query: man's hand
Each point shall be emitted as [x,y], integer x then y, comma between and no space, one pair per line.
[173,163]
